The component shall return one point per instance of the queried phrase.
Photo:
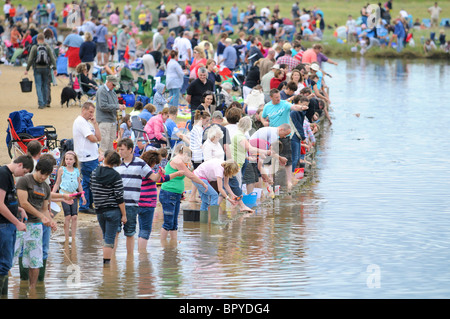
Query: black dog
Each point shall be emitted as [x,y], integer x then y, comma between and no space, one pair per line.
[67,94]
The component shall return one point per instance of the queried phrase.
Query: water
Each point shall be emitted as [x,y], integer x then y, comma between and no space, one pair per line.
[374,224]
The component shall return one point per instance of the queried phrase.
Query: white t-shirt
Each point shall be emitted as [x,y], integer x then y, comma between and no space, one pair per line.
[85,149]
[184,46]
[268,134]
[434,11]
[210,170]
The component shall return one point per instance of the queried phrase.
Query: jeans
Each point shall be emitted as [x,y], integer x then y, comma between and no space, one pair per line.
[209,197]
[42,81]
[185,84]
[145,218]
[7,243]
[121,54]
[234,185]
[129,229]
[171,208]
[175,94]
[295,147]
[46,233]
[109,222]
[86,170]
[400,44]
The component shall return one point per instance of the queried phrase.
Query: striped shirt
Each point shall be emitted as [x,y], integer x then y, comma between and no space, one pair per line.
[149,192]
[107,192]
[132,174]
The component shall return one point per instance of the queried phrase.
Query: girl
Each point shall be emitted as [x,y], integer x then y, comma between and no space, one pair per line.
[68,181]
[107,191]
[125,127]
[214,171]
[172,190]
[149,195]
[201,119]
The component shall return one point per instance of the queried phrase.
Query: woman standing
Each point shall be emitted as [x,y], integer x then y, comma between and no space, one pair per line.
[171,191]
[174,78]
[107,191]
[88,51]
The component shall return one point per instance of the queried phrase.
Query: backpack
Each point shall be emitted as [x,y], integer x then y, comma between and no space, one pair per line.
[42,57]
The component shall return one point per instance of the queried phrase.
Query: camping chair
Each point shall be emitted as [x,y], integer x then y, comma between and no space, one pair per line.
[426,23]
[126,80]
[21,131]
[138,129]
[84,96]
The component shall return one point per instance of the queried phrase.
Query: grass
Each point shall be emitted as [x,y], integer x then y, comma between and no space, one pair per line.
[335,13]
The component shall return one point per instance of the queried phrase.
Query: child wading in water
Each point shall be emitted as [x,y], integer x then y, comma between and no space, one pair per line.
[68,181]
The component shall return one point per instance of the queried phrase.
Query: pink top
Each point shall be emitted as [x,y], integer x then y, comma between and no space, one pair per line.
[309,56]
[210,170]
[155,127]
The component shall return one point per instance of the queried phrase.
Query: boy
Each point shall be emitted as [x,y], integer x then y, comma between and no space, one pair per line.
[34,195]
[132,169]
[11,215]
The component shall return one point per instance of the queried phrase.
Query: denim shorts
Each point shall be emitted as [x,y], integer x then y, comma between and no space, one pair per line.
[109,222]
[145,221]
[171,208]
[7,241]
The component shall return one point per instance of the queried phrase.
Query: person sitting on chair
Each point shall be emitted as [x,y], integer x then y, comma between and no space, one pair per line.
[87,85]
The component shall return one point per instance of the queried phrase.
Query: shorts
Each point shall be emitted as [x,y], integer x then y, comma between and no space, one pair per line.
[30,242]
[102,47]
[70,210]
[251,174]
[171,208]
[286,150]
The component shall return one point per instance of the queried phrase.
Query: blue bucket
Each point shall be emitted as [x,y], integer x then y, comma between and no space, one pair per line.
[250,199]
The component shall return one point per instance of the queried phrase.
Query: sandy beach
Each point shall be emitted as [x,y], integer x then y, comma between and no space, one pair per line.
[12,99]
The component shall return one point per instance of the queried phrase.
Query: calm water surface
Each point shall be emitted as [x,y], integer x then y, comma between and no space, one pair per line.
[374,224]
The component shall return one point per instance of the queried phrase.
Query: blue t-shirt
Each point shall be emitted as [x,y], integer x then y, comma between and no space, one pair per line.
[230,56]
[277,114]
[172,129]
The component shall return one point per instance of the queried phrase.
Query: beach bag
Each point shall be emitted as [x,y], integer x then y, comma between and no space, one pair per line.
[26,85]
[144,99]
[128,99]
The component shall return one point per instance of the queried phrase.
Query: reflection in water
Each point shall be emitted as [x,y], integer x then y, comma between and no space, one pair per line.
[379,200]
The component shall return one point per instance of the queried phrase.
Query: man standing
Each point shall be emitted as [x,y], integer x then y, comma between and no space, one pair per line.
[276,113]
[158,40]
[265,81]
[184,48]
[434,11]
[266,64]
[101,31]
[106,112]
[86,135]
[196,89]
[11,215]
[229,57]
[399,31]
[41,58]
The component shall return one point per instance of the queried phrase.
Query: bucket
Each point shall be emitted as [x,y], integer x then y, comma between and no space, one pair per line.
[26,85]
[191,215]
[299,173]
[250,199]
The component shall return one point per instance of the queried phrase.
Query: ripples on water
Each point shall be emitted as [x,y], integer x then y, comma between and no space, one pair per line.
[379,202]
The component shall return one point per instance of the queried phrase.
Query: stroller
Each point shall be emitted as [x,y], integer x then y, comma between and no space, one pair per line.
[21,131]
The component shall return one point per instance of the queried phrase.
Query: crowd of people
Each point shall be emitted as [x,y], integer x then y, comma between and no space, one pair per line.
[240,134]
[394,30]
